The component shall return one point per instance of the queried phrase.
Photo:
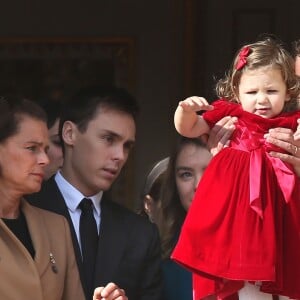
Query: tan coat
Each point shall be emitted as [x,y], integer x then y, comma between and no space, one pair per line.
[53,274]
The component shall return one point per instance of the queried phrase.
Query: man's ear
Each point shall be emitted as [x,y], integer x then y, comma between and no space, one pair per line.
[69,131]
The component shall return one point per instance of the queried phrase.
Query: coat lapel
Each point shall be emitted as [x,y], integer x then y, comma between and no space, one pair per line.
[111,242]
[50,198]
[39,237]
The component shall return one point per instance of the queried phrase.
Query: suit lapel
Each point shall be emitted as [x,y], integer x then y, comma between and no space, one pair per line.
[111,242]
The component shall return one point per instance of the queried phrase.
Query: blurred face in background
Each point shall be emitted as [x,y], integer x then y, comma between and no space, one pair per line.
[297,65]
[55,153]
[190,165]
[151,208]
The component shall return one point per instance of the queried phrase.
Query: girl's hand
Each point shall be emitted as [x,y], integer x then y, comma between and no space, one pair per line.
[186,120]
[219,135]
[110,292]
[194,104]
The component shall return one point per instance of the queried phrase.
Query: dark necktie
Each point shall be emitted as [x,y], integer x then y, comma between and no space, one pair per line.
[89,242]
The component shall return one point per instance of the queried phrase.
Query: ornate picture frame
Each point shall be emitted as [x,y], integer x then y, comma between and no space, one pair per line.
[56,67]
[35,65]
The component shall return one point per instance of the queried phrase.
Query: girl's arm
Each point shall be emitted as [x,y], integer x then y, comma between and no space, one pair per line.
[186,120]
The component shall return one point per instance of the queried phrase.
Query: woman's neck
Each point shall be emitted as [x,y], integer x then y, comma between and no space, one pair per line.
[9,204]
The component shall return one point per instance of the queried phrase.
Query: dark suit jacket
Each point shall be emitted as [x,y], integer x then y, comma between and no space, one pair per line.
[129,247]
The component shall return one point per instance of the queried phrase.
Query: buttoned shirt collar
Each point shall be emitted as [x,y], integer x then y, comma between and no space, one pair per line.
[73,196]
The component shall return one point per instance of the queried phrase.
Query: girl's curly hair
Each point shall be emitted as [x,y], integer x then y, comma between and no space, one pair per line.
[267,53]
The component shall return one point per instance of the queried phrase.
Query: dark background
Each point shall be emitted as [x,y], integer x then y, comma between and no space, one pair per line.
[161,50]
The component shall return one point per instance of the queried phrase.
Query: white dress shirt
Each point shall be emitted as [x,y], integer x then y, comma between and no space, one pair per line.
[73,198]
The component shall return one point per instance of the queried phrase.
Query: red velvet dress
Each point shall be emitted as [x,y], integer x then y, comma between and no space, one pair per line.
[244,221]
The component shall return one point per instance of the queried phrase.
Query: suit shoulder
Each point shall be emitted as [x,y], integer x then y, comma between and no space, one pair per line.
[128,215]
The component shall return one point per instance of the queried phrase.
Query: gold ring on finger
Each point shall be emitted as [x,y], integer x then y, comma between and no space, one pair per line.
[295,150]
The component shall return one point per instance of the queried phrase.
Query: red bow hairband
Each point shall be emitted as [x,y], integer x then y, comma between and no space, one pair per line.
[242,60]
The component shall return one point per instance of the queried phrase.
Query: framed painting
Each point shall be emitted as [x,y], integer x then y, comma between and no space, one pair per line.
[56,67]
[35,66]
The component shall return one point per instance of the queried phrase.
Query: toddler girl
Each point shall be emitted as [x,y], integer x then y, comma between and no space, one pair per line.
[243,227]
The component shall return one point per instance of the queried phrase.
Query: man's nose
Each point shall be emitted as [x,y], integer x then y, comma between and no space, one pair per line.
[119,154]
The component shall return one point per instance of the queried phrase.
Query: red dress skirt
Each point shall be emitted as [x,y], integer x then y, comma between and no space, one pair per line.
[244,221]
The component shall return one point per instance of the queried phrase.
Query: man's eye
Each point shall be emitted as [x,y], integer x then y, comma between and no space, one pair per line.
[31,148]
[128,146]
[109,138]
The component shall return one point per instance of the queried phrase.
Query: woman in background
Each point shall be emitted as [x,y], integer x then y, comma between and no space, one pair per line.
[151,190]
[37,258]
[168,192]
[186,167]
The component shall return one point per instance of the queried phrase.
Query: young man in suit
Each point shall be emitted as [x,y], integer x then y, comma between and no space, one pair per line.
[98,127]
